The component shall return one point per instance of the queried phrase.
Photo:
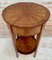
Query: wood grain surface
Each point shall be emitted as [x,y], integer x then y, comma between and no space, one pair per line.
[26,44]
[25,14]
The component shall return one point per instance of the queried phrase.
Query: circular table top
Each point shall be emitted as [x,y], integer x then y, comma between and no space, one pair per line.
[25,14]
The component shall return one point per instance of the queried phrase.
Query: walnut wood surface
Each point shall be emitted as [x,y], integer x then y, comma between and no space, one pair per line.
[26,31]
[26,14]
[26,45]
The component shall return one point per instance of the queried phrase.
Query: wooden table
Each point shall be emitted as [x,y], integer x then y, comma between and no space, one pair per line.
[26,20]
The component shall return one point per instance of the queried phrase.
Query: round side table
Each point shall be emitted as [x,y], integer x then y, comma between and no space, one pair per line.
[25,21]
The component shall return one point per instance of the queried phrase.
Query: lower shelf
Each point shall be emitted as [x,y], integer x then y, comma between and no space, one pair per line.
[26,45]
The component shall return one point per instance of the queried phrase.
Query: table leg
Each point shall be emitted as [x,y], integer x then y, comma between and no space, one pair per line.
[38,40]
[14,39]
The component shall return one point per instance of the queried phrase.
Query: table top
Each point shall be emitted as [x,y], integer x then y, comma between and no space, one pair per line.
[26,14]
